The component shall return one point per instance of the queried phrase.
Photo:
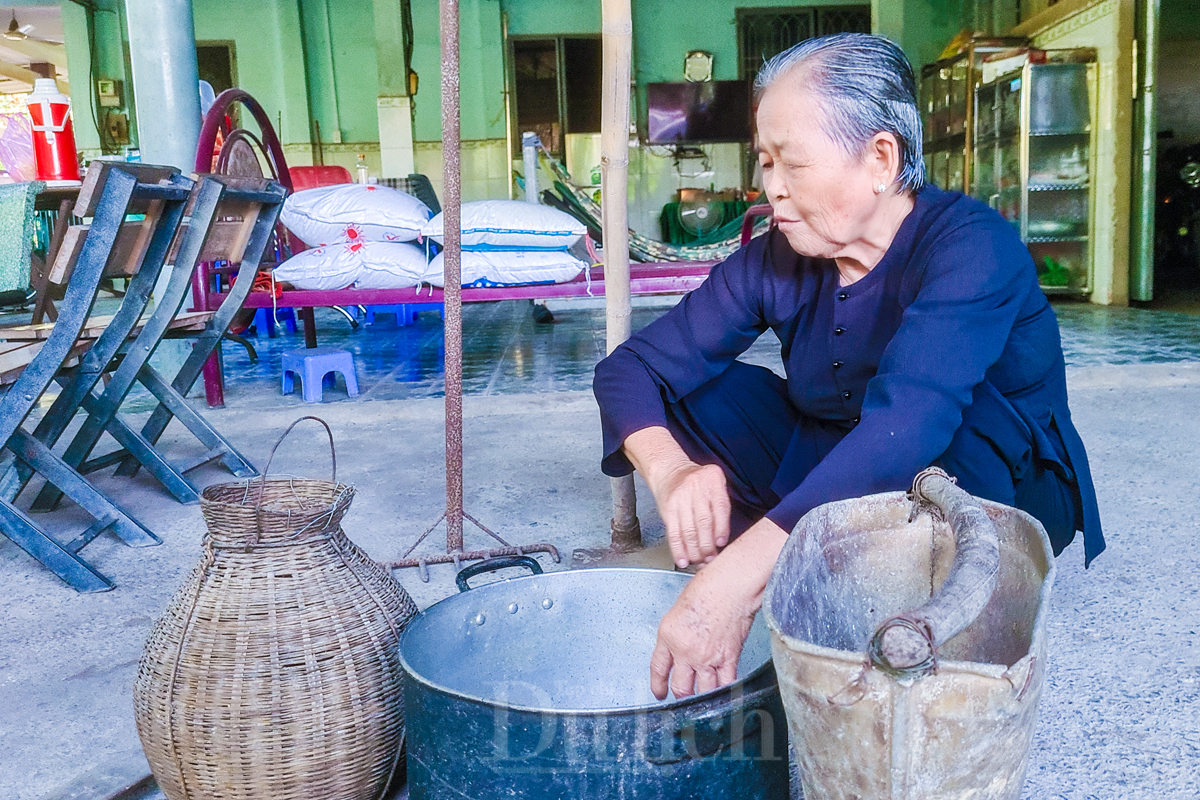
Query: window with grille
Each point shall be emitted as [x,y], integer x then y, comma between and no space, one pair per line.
[766,32]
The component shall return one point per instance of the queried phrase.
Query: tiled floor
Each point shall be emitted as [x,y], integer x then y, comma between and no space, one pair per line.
[506,352]
[1096,335]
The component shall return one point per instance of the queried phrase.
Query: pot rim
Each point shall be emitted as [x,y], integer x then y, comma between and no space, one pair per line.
[666,705]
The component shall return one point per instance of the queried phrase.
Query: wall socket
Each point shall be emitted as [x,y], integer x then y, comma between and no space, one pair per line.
[109,92]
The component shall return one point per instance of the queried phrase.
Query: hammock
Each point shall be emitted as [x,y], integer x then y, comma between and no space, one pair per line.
[717,245]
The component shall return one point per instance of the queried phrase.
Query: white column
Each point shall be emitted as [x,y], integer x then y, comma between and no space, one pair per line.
[162,53]
[396,136]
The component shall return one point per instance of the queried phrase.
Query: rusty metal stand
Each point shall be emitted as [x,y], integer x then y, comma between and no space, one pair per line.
[456,557]
[452,250]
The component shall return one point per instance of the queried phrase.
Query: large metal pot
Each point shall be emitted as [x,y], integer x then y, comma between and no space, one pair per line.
[538,687]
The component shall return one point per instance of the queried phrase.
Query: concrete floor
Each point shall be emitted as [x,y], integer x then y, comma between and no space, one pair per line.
[1120,715]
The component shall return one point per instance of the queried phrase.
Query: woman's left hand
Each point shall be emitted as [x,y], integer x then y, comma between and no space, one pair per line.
[700,639]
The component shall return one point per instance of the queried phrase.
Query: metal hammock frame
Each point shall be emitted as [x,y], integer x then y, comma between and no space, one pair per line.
[643,247]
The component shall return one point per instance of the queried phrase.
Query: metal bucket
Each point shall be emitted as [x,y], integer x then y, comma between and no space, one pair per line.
[539,687]
[959,727]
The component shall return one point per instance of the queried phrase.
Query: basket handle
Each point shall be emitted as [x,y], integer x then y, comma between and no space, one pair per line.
[262,481]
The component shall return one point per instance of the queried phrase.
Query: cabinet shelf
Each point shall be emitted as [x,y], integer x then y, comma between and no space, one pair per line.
[951,141]
[1072,290]
[1058,187]
[1086,132]
[1053,239]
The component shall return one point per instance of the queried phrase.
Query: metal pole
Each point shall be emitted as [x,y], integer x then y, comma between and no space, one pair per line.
[529,143]
[617,33]
[451,210]
[166,83]
[1145,198]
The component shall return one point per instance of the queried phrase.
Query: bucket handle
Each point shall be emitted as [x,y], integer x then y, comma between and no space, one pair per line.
[493,564]
[262,481]
[906,645]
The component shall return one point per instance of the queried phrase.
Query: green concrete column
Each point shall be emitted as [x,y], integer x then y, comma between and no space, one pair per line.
[1141,279]
[162,53]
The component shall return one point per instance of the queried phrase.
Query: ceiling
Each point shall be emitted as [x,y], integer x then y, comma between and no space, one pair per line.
[46,26]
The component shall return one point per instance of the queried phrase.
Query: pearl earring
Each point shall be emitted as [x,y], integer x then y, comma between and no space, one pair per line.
[881,188]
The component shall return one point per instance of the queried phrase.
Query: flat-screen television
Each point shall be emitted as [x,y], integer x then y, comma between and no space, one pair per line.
[698,113]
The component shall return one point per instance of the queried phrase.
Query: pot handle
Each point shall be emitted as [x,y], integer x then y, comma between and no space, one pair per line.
[722,728]
[493,564]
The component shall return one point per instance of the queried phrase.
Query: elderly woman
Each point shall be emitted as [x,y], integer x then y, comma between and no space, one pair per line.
[913,332]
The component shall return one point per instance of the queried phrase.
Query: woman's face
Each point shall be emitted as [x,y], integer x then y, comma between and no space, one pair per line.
[822,199]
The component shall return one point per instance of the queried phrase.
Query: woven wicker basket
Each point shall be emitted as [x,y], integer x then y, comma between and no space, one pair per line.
[275,674]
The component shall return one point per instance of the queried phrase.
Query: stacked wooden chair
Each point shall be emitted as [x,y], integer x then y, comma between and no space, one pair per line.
[143,218]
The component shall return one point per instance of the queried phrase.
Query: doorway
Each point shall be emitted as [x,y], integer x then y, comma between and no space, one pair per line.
[217,63]
[557,84]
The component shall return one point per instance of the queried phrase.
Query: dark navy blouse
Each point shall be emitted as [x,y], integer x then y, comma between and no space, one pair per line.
[889,362]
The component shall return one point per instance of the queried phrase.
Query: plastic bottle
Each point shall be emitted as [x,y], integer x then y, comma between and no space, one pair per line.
[361,168]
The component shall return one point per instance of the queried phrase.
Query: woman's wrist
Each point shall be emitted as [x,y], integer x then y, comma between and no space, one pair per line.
[744,568]
[656,455]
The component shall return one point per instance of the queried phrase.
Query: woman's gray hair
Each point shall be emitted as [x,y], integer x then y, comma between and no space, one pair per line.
[866,86]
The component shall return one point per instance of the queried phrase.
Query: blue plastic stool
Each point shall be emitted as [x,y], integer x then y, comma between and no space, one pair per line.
[264,320]
[406,313]
[314,365]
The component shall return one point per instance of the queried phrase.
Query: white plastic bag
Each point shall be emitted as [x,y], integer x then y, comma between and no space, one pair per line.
[366,265]
[387,265]
[322,268]
[511,225]
[349,212]
[510,267]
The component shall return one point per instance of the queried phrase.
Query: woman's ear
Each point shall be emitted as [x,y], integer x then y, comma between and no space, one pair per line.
[882,156]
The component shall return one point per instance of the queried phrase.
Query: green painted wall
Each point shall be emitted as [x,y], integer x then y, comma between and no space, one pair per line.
[110,32]
[665,30]
[552,17]
[481,69]
[305,59]
[663,35]
[922,27]
[266,39]
[339,59]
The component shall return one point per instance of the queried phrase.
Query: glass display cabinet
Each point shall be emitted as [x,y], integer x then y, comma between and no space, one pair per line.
[1034,152]
[947,111]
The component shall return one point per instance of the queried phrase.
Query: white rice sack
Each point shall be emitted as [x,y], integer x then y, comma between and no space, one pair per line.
[352,212]
[511,225]
[322,268]
[388,265]
[510,267]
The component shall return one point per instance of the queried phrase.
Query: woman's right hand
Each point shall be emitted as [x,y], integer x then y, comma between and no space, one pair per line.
[692,499]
